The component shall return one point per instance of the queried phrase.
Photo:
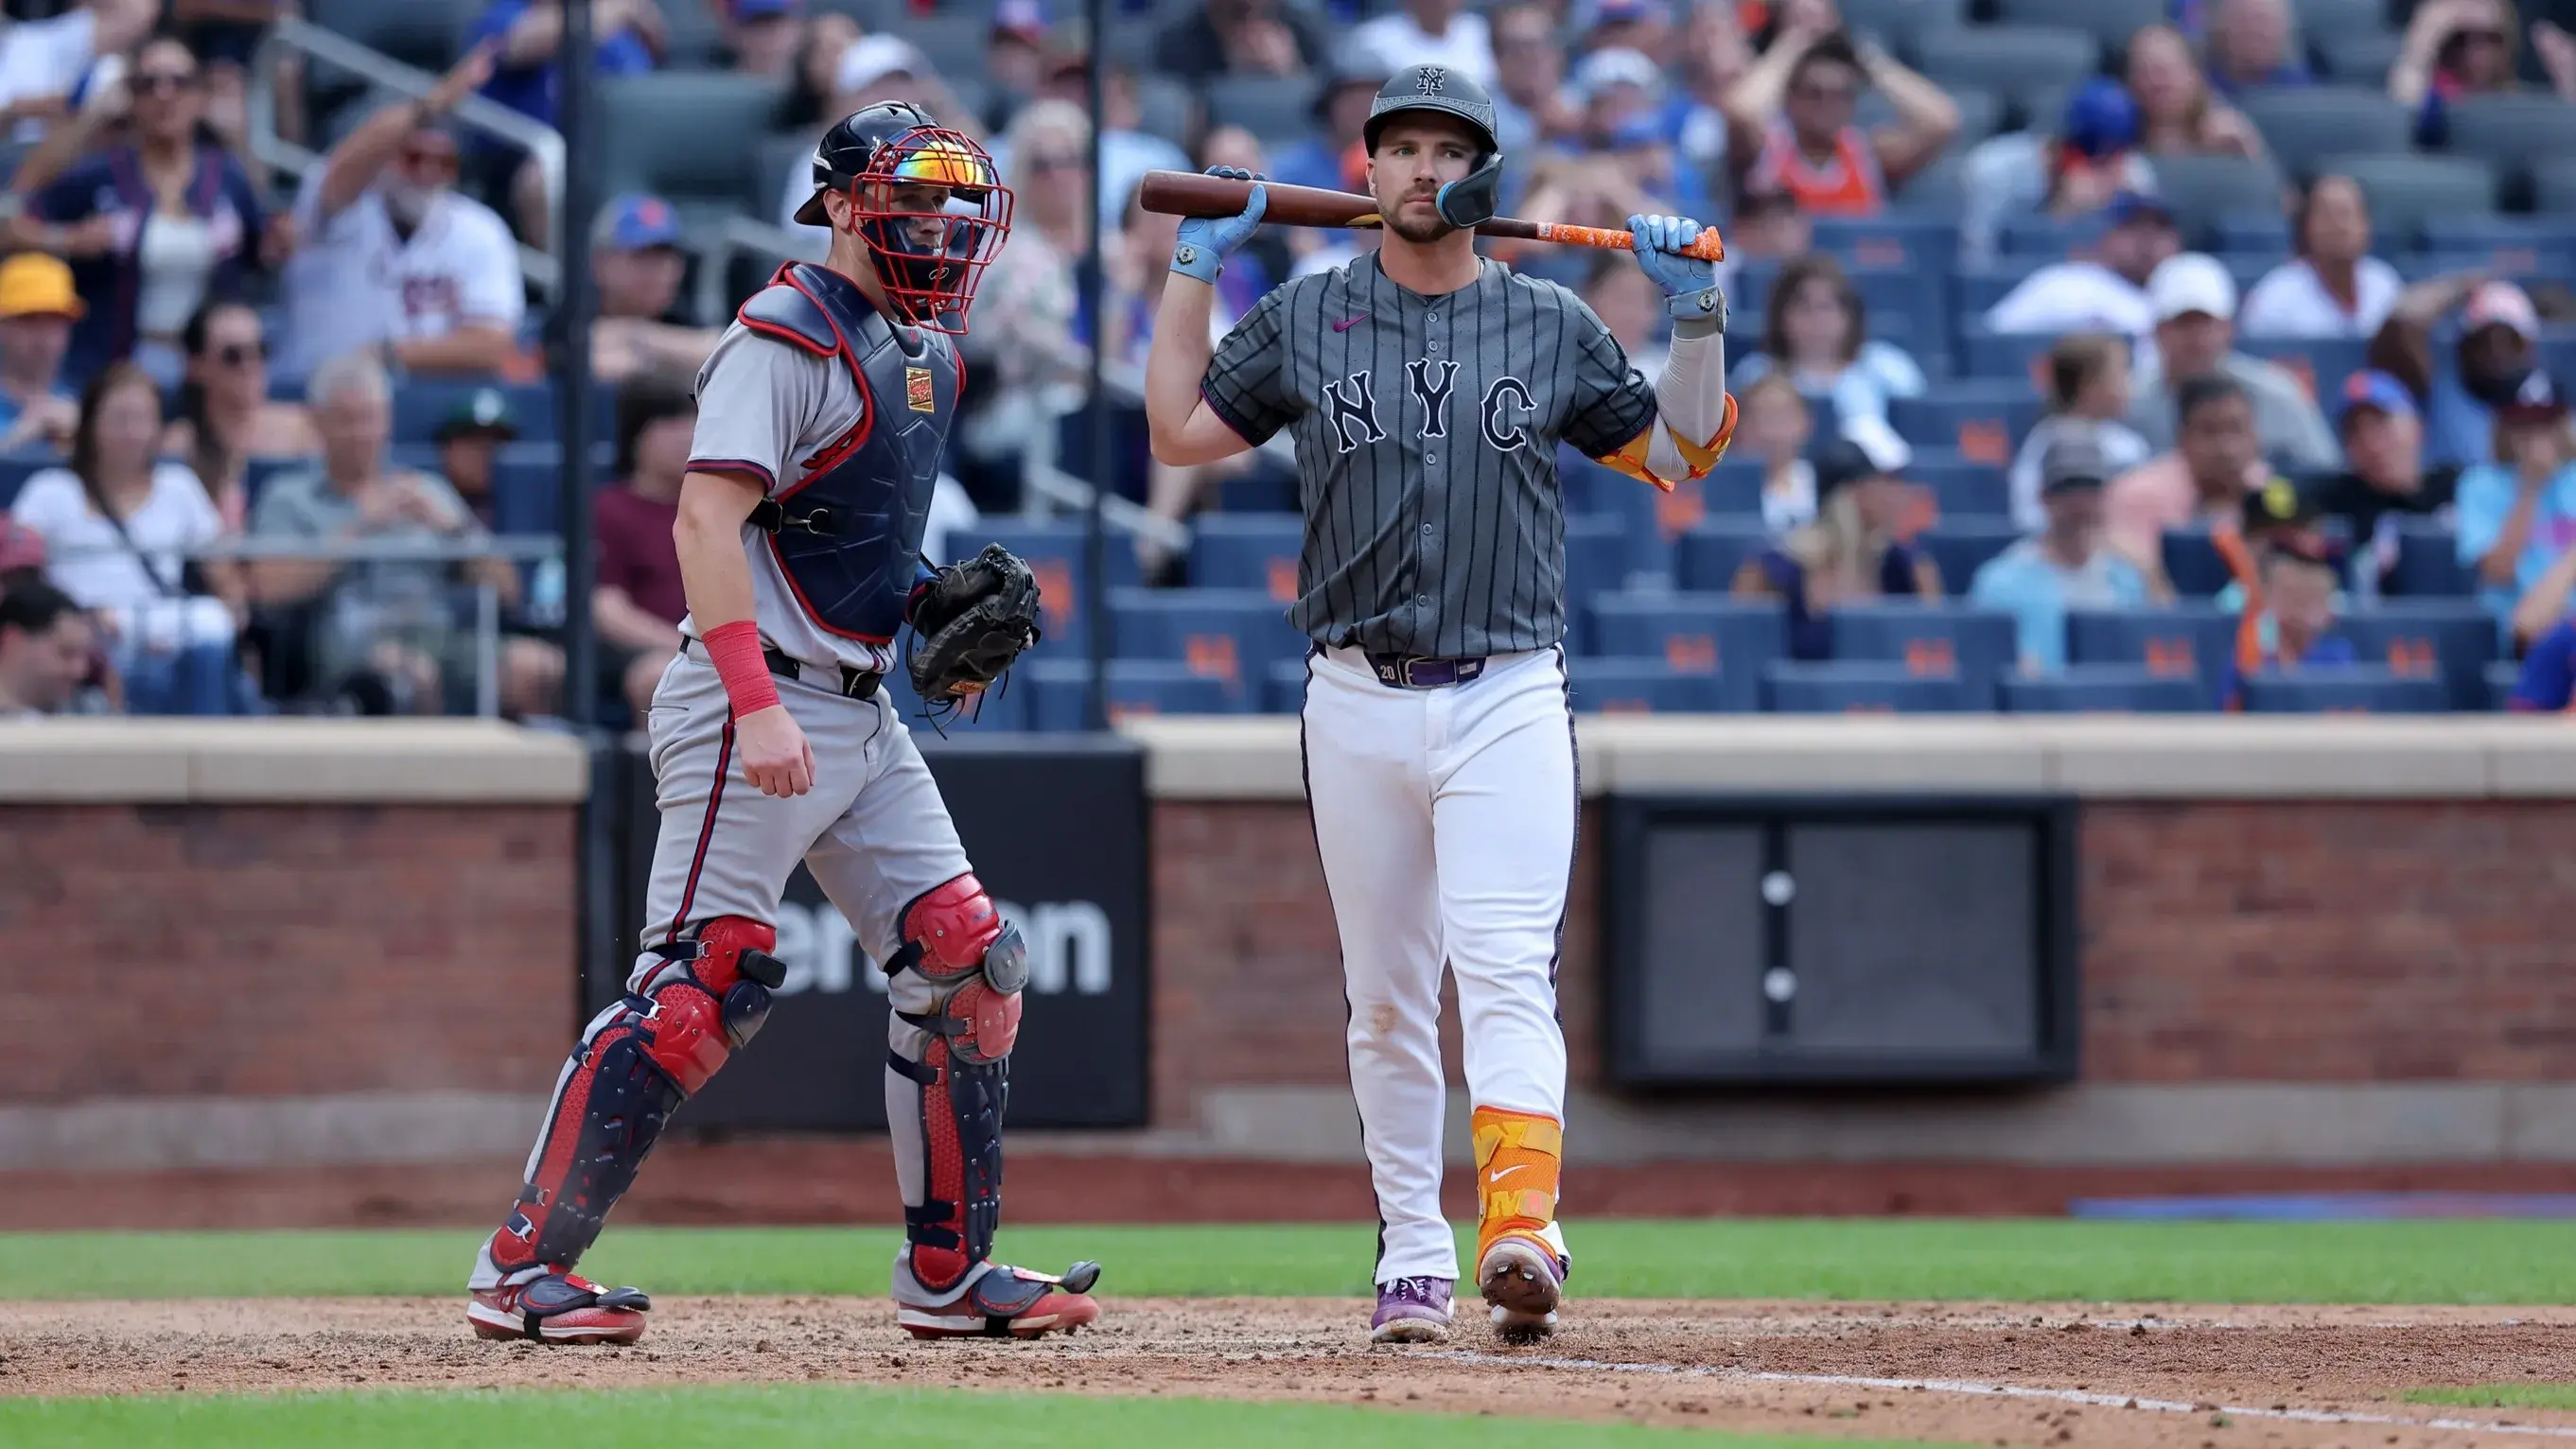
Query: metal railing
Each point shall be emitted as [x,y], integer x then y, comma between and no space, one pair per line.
[512,548]
[543,269]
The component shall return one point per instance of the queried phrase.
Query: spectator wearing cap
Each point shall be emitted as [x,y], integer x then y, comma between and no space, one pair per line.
[1239,37]
[1627,128]
[1431,32]
[2179,114]
[2334,287]
[395,259]
[2088,394]
[469,443]
[2499,345]
[2065,564]
[2195,309]
[635,258]
[2385,478]
[638,603]
[2518,514]
[2101,287]
[1852,553]
[1341,110]
[43,63]
[2215,459]
[38,306]
[226,417]
[1790,121]
[2288,570]
[44,650]
[1817,335]
[2089,165]
[153,225]
[1015,57]
[2250,47]
[2457,48]
[1644,26]
[760,37]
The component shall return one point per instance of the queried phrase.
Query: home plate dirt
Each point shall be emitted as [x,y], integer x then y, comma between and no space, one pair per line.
[2197,1378]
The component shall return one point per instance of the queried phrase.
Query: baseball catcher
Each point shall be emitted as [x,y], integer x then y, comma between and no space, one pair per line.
[823,413]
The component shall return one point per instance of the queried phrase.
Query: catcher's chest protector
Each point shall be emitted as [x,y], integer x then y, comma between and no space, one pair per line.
[863,500]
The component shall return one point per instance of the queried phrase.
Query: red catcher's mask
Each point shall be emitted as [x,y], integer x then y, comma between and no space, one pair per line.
[927,175]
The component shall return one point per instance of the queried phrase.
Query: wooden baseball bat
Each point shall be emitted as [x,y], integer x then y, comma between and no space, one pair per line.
[1189,193]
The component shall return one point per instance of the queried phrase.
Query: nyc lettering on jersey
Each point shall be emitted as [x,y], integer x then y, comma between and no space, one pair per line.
[1350,405]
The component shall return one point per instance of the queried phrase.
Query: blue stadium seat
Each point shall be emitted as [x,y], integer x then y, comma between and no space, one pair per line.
[1596,553]
[2320,364]
[1708,556]
[1247,551]
[1974,645]
[2359,689]
[2428,562]
[2193,564]
[17,468]
[1715,636]
[2003,355]
[1055,551]
[1262,489]
[1923,244]
[1003,709]
[1982,419]
[2512,245]
[1287,687]
[1963,486]
[1232,636]
[1604,684]
[2503,677]
[1974,291]
[2103,688]
[1961,546]
[1650,521]
[2189,641]
[2451,640]
[420,405]
[2048,238]
[1136,687]
[1844,687]
[1733,486]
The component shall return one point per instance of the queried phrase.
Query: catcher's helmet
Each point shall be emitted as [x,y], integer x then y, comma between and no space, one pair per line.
[879,151]
[1471,199]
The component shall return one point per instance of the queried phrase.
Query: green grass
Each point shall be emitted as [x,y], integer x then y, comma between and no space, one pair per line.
[2499,1396]
[800,1415]
[2493,1261]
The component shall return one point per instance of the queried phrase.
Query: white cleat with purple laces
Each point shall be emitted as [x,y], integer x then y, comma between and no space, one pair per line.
[1412,1310]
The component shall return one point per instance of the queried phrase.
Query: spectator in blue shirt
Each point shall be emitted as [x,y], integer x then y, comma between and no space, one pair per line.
[2548,673]
[1341,109]
[2499,345]
[526,38]
[37,309]
[2289,621]
[2064,566]
[2517,515]
[154,225]
[2249,47]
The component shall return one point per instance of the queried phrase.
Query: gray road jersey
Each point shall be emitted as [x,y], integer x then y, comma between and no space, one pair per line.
[1426,432]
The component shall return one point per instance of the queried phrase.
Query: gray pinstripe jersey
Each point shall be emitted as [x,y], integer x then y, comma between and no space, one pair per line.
[1426,432]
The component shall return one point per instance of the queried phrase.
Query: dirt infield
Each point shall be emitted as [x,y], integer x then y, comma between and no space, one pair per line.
[2182,1378]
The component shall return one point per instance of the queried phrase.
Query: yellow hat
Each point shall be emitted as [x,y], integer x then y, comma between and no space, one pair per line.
[35,284]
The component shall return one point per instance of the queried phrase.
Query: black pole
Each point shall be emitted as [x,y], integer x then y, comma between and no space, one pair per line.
[1095,550]
[598,931]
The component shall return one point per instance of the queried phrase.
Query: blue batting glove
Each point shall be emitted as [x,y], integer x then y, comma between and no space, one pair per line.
[1206,240]
[1690,284]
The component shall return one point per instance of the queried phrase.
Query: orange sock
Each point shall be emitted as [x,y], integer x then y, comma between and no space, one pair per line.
[1516,1172]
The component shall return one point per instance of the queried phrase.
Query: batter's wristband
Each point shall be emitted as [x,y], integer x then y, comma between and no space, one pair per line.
[734,649]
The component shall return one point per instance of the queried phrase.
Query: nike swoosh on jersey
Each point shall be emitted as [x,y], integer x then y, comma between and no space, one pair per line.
[1347,323]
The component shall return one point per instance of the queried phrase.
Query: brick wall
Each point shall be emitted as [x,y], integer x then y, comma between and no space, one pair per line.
[283,950]
[2325,941]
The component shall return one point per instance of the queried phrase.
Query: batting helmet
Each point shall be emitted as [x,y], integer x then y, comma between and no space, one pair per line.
[882,157]
[1471,199]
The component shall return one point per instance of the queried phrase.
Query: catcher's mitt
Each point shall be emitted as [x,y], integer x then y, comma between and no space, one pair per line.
[969,623]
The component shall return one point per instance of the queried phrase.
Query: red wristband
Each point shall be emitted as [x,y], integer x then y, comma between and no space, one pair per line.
[734,649]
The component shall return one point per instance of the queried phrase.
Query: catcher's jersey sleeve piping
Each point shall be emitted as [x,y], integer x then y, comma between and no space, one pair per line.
[768,480]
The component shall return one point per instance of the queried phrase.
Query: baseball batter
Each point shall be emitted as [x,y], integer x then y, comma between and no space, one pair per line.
[1427,390]
[822,415]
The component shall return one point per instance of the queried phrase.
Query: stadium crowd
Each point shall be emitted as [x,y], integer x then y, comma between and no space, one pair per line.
[2092,354]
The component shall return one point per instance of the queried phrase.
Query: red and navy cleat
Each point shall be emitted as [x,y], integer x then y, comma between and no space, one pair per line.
[559,1308]
[996,1301]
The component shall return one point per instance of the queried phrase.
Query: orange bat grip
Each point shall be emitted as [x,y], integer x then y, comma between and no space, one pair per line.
[1707,247]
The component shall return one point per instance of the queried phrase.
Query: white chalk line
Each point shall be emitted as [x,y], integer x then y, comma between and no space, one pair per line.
[2086,1397]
